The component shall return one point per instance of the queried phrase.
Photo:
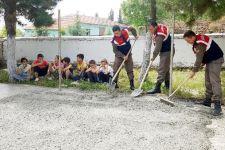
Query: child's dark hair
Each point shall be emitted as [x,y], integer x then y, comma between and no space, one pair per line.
[189,34]
[66,59]
[40,55]
[57,56]
[81,56]
[23,59]
[92,62]
[116,28]
[152,22]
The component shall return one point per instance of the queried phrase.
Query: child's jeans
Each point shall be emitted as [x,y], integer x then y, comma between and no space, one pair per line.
[93,77]
[104,78]
[21,77]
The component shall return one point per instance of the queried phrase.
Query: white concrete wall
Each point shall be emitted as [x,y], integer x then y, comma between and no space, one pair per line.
[98,47]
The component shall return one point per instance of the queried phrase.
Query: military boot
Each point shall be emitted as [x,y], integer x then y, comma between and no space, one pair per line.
[156,89]
[132,84]
[167,84]
[217,108]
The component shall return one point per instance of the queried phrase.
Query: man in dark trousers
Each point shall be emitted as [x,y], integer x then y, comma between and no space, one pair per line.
[162,43]
[121,46]
[210,54]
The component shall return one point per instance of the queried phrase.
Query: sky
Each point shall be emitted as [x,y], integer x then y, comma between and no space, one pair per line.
[85,7]
[89,7]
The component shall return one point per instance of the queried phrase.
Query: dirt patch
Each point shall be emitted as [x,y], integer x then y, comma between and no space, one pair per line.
[43,118]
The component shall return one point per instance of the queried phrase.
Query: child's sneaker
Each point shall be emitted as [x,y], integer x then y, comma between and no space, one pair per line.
[75,83]
[50,78]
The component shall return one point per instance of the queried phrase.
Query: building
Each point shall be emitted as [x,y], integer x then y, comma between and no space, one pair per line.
[94,26]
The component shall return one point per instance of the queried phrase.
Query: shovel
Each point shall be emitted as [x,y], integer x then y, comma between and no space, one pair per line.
[139,91]
[112,84]
[168,100]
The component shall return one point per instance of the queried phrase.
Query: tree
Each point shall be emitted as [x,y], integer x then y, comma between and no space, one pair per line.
[111,15]
[191,10]
[138,12]
[42,31]
[76,29]
[36,11]
[96,15]
[120,18]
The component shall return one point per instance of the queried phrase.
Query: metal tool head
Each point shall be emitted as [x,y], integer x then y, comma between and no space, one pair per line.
[136,93]
[111,85]
[167,101]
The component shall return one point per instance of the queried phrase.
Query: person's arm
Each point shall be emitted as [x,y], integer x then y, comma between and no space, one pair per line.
[133,31]
[35,65]
[18,70]
[158,46]
[67,68]
[88,70]
[117,52]
[200,50]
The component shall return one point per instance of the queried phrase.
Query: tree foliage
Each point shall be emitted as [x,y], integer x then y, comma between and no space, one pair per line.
[3,32]
[138,12]
[76,29]
[36,11]
[111,15]
[191,10]
[120,18]
[42,31]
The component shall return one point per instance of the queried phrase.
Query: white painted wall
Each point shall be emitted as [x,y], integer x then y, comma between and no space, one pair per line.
[98,47]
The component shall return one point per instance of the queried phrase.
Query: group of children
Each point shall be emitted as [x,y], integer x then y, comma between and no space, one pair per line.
[79,70]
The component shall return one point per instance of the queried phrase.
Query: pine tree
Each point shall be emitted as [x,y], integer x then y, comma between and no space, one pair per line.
[111,15]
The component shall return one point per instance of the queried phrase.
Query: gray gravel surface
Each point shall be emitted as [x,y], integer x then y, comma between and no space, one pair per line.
[44,118]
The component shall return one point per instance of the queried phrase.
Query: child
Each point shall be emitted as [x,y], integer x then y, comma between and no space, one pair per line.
[54,67]
[67,70]
[105,71]
[92,71]
[40,67]
[23,72]
[81,67]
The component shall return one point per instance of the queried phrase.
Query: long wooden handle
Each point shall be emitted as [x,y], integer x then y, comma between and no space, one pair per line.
[114,77]
[179,87]
[142,81]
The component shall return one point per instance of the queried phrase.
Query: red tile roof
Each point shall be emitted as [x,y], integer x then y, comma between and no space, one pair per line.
[70,20]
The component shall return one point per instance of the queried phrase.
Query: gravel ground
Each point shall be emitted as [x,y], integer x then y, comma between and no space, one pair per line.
[44,118]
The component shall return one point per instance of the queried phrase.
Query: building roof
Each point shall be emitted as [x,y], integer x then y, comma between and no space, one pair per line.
[69,20]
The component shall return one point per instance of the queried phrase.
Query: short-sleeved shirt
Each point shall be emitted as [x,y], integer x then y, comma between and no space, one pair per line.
[82,66]
[43,65]
[24,68]
[108,69]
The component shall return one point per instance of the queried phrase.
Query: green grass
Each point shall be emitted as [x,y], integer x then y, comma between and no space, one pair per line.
[194,89]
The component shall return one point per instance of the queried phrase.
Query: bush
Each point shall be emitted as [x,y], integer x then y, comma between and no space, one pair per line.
[4,76]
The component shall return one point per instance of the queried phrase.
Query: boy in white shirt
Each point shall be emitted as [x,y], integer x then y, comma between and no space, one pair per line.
[105,71]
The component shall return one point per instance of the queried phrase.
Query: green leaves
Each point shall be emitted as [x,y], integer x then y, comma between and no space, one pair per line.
[136,12]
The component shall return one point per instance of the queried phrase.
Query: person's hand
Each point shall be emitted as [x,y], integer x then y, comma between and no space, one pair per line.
[125,58]
[192,74]
[137,37]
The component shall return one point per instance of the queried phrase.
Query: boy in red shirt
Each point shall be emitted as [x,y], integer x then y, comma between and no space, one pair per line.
[40,67]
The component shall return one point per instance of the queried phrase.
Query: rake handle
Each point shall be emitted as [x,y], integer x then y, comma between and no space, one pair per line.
[114,77]
[178,87]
